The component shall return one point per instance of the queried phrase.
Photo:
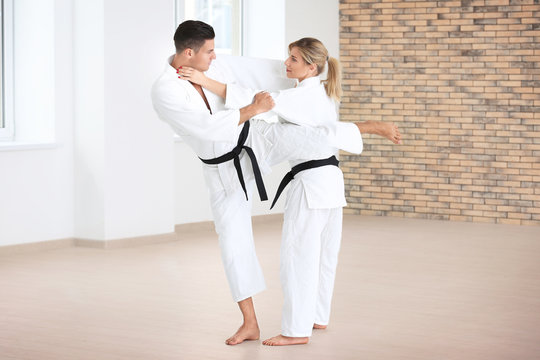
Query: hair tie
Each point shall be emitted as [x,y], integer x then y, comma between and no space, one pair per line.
[327,57]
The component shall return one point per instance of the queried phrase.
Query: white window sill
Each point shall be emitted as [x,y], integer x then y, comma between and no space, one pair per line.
[21,146]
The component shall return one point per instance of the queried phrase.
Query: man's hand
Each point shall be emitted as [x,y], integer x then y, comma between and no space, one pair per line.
[263,102]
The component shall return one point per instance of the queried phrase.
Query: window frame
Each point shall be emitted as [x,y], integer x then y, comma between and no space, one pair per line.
[7,130]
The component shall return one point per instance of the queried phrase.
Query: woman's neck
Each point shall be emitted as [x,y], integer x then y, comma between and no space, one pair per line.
[304,78]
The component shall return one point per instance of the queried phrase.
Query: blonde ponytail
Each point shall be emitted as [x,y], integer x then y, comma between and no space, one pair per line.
[333,79]
[314,52]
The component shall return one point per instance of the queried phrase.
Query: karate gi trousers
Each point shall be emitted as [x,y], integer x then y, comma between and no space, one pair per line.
[232,220]
[309,254]
[273,144]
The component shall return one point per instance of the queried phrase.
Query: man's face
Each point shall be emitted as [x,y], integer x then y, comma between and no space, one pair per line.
[202,59]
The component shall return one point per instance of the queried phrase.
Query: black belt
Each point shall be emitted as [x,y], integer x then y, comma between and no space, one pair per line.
[235,155]
[301,167]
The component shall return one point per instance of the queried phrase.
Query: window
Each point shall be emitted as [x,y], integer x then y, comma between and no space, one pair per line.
[225,16]
[6,70]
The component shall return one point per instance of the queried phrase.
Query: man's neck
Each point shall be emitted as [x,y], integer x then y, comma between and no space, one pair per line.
[177,62]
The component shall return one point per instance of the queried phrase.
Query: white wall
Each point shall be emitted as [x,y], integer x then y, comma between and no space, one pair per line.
[125,177]
[84,70]
[138,165]
[89,129]
[313,18]
[124,171]
[264,29]
[36,183]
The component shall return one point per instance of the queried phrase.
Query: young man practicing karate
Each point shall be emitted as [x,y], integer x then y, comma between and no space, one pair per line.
[234,157]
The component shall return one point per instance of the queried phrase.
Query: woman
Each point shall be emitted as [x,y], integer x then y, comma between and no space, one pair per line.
[313,218]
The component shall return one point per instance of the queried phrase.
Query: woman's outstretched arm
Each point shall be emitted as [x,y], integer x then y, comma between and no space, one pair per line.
[197,77]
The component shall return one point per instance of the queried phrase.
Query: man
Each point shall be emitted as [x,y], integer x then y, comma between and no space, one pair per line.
[234,157]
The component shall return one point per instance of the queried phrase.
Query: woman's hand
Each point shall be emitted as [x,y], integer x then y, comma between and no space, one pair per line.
[196,77]
[190,74]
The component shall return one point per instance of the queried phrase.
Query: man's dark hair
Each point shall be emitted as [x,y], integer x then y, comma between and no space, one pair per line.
[192,34]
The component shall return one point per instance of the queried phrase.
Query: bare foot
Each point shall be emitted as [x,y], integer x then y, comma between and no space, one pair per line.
[281,340]
[381,128]
[389,131]
[245,332]
[317,326]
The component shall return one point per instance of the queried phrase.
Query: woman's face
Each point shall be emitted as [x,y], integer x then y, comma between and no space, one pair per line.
[297,68]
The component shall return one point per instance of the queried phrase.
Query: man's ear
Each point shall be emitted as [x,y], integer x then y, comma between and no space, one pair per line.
[188,52]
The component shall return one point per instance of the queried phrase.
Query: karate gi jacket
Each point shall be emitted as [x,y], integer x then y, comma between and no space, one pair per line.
[213,133]
[308,105]
[209,133]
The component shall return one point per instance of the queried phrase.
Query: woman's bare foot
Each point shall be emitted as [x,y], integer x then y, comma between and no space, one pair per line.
[317,326]
[245,332]
[281,340]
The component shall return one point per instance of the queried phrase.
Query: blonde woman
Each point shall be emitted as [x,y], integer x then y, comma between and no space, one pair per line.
[312,225]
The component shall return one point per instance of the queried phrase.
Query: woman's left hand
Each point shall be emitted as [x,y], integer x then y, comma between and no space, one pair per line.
[190,74]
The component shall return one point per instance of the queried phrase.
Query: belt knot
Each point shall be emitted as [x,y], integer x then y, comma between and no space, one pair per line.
[234,155]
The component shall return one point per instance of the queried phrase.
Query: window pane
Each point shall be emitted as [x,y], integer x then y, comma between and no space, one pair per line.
[218,13]
[225,16]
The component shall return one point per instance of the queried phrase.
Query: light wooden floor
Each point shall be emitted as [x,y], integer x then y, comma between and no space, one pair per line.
[405,289]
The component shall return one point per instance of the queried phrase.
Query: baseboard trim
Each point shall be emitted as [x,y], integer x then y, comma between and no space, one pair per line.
[189,228]
[179,231]
[36,246]
[87,243]
[126,242]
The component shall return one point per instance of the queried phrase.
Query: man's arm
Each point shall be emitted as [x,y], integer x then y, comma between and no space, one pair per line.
[174,107]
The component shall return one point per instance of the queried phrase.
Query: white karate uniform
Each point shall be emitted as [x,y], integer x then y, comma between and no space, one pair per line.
[313,216]
[312,224]
[213,133]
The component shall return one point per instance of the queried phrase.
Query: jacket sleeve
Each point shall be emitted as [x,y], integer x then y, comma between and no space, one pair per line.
[345,136]
[292,107]
[293,142]
[237,96]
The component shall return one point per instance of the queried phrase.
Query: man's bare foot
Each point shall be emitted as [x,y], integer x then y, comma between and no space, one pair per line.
[389,131]
[245,332]
[281,340]
[317,326]
[381,128]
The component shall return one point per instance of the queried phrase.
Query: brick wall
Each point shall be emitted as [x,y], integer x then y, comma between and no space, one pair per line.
[462,81]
